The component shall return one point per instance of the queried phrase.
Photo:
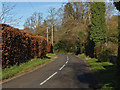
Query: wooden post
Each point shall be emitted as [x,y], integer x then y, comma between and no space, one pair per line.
[47,34]
[52,37]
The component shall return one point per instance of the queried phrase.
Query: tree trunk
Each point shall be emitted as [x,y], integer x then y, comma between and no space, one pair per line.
[47,34]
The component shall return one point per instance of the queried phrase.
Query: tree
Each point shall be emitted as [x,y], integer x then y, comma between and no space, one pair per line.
[112,30]
[117,5]
[73,28]
[7,16]
[109,11]
[33,23]
[82,12]
[51,21]
[68,11]
[97,33]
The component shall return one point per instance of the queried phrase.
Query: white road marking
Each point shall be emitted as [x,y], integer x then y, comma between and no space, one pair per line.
[66,62]
[62,67]
[54,73]
[24,73]
[48,78]
[67,58]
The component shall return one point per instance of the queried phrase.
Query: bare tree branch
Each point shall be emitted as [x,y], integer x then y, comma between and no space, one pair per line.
[7,16]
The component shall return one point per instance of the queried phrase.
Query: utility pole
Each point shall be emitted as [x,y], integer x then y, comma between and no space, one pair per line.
[47,34]
[52,34]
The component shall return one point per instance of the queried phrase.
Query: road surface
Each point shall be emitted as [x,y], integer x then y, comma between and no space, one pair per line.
[66,71]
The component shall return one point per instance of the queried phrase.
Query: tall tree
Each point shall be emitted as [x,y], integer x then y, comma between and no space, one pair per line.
[33,23]
[98,22]
[72,28]
[51,21]
[117,5]
[68,12]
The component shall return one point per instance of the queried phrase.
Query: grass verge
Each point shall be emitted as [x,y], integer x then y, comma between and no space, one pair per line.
[66,53]
[25,67]
[106,73]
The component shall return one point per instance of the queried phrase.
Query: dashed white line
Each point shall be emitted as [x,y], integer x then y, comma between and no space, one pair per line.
[66,62]
[62,67]
[48,78]
[54,73]
[67,58]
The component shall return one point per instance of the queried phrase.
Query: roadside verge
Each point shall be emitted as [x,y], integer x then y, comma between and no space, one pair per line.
[30,66]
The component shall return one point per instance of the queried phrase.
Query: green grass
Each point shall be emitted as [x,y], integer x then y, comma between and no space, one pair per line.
[84,56]
[106,73]
[51,54]
[25,67]
[66,53]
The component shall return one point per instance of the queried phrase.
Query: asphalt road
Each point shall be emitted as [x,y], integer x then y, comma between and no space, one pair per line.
[66,71]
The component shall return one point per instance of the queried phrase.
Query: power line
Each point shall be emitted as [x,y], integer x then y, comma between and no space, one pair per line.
[32,6]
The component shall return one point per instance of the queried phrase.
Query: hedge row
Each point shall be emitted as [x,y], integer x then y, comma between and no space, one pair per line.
[19,46]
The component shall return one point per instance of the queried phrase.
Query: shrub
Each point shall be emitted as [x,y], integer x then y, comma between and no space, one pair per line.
[98,49]
[19,46]
[105,55]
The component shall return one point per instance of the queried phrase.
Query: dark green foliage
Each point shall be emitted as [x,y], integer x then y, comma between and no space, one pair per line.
[56,46]
[78,50]
[89,48]
[99,48]
[105,55]
[98,22]
[117,5]
[61,45]
[112,36]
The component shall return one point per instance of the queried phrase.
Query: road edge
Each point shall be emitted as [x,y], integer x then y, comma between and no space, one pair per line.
[14,77]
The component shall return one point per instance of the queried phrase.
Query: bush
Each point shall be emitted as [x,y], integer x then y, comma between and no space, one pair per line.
[105,55]
[98,49]
[56,46]
[19,46]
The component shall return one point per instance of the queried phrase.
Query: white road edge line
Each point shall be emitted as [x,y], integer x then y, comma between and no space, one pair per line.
[48,78]
[62,67]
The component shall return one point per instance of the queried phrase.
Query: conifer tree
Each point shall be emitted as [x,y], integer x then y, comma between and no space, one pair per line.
[97,33]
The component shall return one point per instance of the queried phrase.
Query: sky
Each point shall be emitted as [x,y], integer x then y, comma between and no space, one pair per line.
[26,9]
[57,0]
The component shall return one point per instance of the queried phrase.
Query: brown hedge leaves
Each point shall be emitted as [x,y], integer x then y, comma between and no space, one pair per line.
[19,46]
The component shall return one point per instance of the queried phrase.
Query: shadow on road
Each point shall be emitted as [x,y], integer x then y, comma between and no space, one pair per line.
[84,75]
[109,77]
